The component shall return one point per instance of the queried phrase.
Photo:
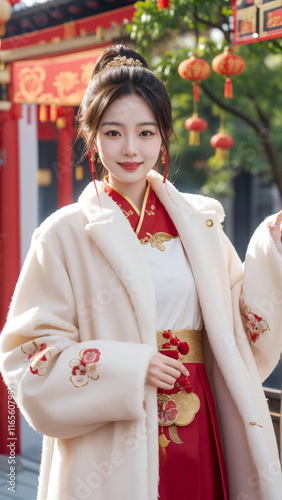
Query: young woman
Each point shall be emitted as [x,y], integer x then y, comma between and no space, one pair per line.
[136,340]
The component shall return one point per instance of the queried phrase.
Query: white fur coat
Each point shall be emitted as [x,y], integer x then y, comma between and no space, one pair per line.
[81,332]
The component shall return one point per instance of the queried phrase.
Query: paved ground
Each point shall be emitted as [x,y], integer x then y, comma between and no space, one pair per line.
[27,467]
[25,479]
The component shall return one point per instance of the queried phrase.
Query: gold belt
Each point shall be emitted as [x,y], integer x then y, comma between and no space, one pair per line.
[194,339]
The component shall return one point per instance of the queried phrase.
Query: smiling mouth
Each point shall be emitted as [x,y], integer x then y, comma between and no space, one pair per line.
[130,166]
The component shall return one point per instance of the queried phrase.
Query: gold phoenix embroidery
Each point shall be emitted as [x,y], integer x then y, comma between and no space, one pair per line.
[157,240]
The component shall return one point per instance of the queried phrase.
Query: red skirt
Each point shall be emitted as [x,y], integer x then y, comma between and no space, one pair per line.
[195,469]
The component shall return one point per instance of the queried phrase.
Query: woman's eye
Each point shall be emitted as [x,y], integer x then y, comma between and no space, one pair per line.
[113,133]
[146,133]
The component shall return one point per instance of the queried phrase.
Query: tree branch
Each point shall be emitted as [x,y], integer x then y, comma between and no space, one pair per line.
[229,108]
[263,117]
[263,132]
[277,44]
[213,25]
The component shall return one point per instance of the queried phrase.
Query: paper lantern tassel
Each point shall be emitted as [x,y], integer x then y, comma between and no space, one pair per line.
[196,95]
[222,155]
[194,138]
[228,89]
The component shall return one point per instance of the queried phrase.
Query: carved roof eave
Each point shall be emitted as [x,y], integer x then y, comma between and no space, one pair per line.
[104,37]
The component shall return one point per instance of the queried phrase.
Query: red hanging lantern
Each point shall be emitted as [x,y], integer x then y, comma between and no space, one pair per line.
[228,64]
[13,2]
[194,70]
[163,4]
[222,143]
[195,125]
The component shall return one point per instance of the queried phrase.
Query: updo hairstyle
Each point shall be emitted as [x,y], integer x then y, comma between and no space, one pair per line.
[108,83]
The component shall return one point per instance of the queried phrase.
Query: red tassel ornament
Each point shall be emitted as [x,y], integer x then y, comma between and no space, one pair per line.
[164,159]
[228,88]
[196,95]
[162,450]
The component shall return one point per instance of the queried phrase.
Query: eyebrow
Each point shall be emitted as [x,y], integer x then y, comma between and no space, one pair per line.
[122,125]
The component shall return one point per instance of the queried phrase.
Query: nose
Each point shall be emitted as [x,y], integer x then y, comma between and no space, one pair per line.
[130,147]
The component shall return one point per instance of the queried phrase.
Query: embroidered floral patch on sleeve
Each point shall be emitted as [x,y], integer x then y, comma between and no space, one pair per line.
[254,325]
[85,367]
[38,355]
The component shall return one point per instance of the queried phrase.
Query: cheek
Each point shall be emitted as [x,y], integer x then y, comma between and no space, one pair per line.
[106,148]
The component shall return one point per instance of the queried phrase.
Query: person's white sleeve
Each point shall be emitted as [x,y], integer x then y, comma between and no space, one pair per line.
[65,387]
[257,298]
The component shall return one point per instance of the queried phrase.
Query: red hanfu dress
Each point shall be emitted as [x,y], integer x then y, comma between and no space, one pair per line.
[192,464]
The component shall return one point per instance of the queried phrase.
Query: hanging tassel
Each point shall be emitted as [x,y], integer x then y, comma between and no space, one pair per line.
[194,138]
[43,113]
[163,443]
[164,160]
[196,95]
[228,89]
[222,155]
[92,172]
[53,113]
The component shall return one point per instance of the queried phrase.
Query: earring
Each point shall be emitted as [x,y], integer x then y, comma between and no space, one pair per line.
[164,159]
[94,159]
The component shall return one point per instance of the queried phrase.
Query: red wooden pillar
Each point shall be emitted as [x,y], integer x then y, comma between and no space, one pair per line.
[64,157]
[9,261]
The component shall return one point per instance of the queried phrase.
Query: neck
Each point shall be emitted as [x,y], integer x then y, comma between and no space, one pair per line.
[135,191]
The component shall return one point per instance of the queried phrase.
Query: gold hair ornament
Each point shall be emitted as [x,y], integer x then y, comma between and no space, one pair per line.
[123,61]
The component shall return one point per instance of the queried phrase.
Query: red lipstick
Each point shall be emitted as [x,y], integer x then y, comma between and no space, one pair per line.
[130,166]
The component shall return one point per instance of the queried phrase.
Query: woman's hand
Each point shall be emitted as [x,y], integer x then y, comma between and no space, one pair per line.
[276,232]
[163,371]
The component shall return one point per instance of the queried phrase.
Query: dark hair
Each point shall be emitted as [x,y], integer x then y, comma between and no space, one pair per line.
[108,83]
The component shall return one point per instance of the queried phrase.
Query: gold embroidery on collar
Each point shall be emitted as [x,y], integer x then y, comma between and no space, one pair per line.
[157,240]
[123,195]
[151,211]
[143,209]
[127,214]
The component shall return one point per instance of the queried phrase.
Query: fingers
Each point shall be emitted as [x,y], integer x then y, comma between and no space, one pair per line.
[164,371]
[174,363]
[278,222]
[166,382]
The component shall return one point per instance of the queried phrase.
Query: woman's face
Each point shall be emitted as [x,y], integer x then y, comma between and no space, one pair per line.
[128,141]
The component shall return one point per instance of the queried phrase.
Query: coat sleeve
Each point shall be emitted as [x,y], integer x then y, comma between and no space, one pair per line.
[257,298]
[65,387]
